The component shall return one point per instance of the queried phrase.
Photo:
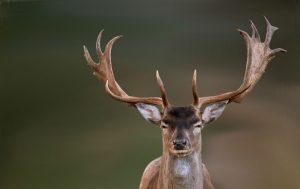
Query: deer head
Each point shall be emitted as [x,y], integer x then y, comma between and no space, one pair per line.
[181,126]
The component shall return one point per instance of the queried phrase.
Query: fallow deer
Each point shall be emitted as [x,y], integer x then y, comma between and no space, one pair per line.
[181,166]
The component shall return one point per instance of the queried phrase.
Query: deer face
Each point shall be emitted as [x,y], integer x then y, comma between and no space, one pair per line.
[181,129]
[181,126]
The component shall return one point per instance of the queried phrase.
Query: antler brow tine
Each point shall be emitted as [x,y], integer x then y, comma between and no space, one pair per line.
[194,89]
[162,90]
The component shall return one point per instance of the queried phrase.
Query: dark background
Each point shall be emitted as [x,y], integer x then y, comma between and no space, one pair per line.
[59,129]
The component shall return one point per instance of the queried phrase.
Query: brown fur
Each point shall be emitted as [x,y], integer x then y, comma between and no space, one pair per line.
[151,175]
[174,170]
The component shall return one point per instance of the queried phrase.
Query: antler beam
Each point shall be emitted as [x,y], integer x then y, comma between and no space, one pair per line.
[259,54]
[104,72]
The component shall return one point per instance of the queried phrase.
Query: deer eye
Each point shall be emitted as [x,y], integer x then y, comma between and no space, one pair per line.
[198,124]
[164,125]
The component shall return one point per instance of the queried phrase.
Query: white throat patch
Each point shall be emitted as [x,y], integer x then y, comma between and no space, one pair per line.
[182,168]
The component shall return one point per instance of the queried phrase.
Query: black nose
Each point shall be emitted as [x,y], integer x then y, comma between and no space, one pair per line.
[179,144]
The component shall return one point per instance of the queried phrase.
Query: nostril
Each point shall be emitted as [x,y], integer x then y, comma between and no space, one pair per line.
[174,142]
[179,144]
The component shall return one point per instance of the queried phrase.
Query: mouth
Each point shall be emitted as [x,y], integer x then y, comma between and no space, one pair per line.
[181,153]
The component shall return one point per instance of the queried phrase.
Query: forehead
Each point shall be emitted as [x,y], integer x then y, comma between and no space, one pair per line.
[187,114]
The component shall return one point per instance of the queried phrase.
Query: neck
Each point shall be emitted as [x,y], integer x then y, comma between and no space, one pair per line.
[181,172]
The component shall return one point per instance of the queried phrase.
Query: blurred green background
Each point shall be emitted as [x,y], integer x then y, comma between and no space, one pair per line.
[59,129]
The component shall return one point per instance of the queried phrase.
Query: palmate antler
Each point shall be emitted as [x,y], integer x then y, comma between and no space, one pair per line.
[259,55]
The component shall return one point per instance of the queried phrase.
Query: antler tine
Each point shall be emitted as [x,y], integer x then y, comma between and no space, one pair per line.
[194,89]
[255,34]
[98,44]
[104,72]
[109,71]
[270,31]
[162,90]
[259,55]
[88,58]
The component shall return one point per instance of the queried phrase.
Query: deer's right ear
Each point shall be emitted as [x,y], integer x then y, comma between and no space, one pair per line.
[149,112]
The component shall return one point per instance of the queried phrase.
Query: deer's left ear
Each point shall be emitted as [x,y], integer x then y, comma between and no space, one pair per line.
[213,111]
[149,112]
